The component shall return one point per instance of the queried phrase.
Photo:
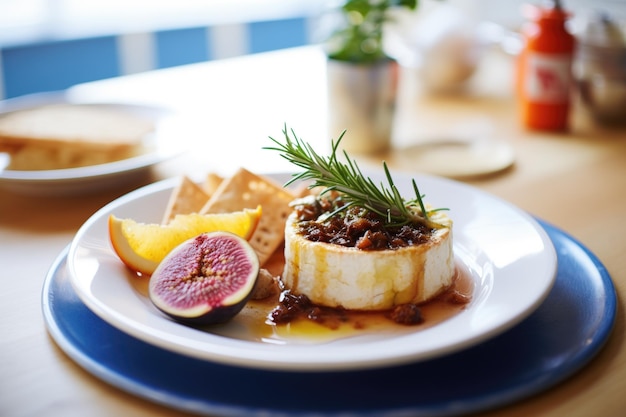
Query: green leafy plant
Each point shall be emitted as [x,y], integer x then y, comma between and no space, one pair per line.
[360,40]
[347,179]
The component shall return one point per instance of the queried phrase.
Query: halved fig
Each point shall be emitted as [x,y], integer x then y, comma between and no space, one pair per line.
[205,280]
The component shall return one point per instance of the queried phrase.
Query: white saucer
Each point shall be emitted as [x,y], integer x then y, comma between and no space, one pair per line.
[456,158]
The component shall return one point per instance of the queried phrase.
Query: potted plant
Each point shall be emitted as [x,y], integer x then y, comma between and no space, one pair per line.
[362,79]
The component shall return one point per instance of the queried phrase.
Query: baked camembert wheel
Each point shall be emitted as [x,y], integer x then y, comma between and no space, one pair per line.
[351,259]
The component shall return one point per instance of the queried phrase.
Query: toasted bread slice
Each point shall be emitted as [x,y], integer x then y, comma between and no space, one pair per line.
[67,136]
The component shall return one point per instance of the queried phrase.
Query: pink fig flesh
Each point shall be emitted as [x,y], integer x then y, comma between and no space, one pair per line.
[205,280]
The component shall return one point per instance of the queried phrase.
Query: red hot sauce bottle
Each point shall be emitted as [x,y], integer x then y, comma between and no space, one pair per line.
[545,69]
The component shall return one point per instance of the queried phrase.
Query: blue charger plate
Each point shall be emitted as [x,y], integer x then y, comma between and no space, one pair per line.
[557,340]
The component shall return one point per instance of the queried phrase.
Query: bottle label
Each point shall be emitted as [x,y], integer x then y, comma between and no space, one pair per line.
[548,77]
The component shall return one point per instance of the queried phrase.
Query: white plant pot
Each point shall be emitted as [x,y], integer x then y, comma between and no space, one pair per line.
[361,101]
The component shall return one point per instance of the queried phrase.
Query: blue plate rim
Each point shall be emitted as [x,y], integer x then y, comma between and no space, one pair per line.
[486,401]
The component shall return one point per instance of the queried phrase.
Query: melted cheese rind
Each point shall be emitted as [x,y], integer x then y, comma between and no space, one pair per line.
[337,276]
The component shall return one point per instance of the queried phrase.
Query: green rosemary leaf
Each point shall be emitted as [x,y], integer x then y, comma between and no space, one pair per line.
[347,178]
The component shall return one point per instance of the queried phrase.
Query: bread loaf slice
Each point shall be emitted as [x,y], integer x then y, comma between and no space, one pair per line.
[71,135]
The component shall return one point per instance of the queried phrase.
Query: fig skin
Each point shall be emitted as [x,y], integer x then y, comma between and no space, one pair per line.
[205,280]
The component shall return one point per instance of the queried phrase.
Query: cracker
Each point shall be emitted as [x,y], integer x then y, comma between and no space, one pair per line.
[212,182]
[187,197]
[247,190]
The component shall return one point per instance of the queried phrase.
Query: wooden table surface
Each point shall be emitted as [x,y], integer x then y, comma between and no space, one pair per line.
[575,181]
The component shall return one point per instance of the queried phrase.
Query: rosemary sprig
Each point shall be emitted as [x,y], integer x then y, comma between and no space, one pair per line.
[347,179]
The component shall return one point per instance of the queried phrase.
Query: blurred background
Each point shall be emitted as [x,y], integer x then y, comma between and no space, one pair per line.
[48,45]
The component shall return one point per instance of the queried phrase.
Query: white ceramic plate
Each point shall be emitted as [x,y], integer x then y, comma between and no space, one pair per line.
[96,177]
[509,256]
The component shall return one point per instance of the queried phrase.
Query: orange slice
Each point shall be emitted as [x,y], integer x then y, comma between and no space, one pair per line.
[142,246]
